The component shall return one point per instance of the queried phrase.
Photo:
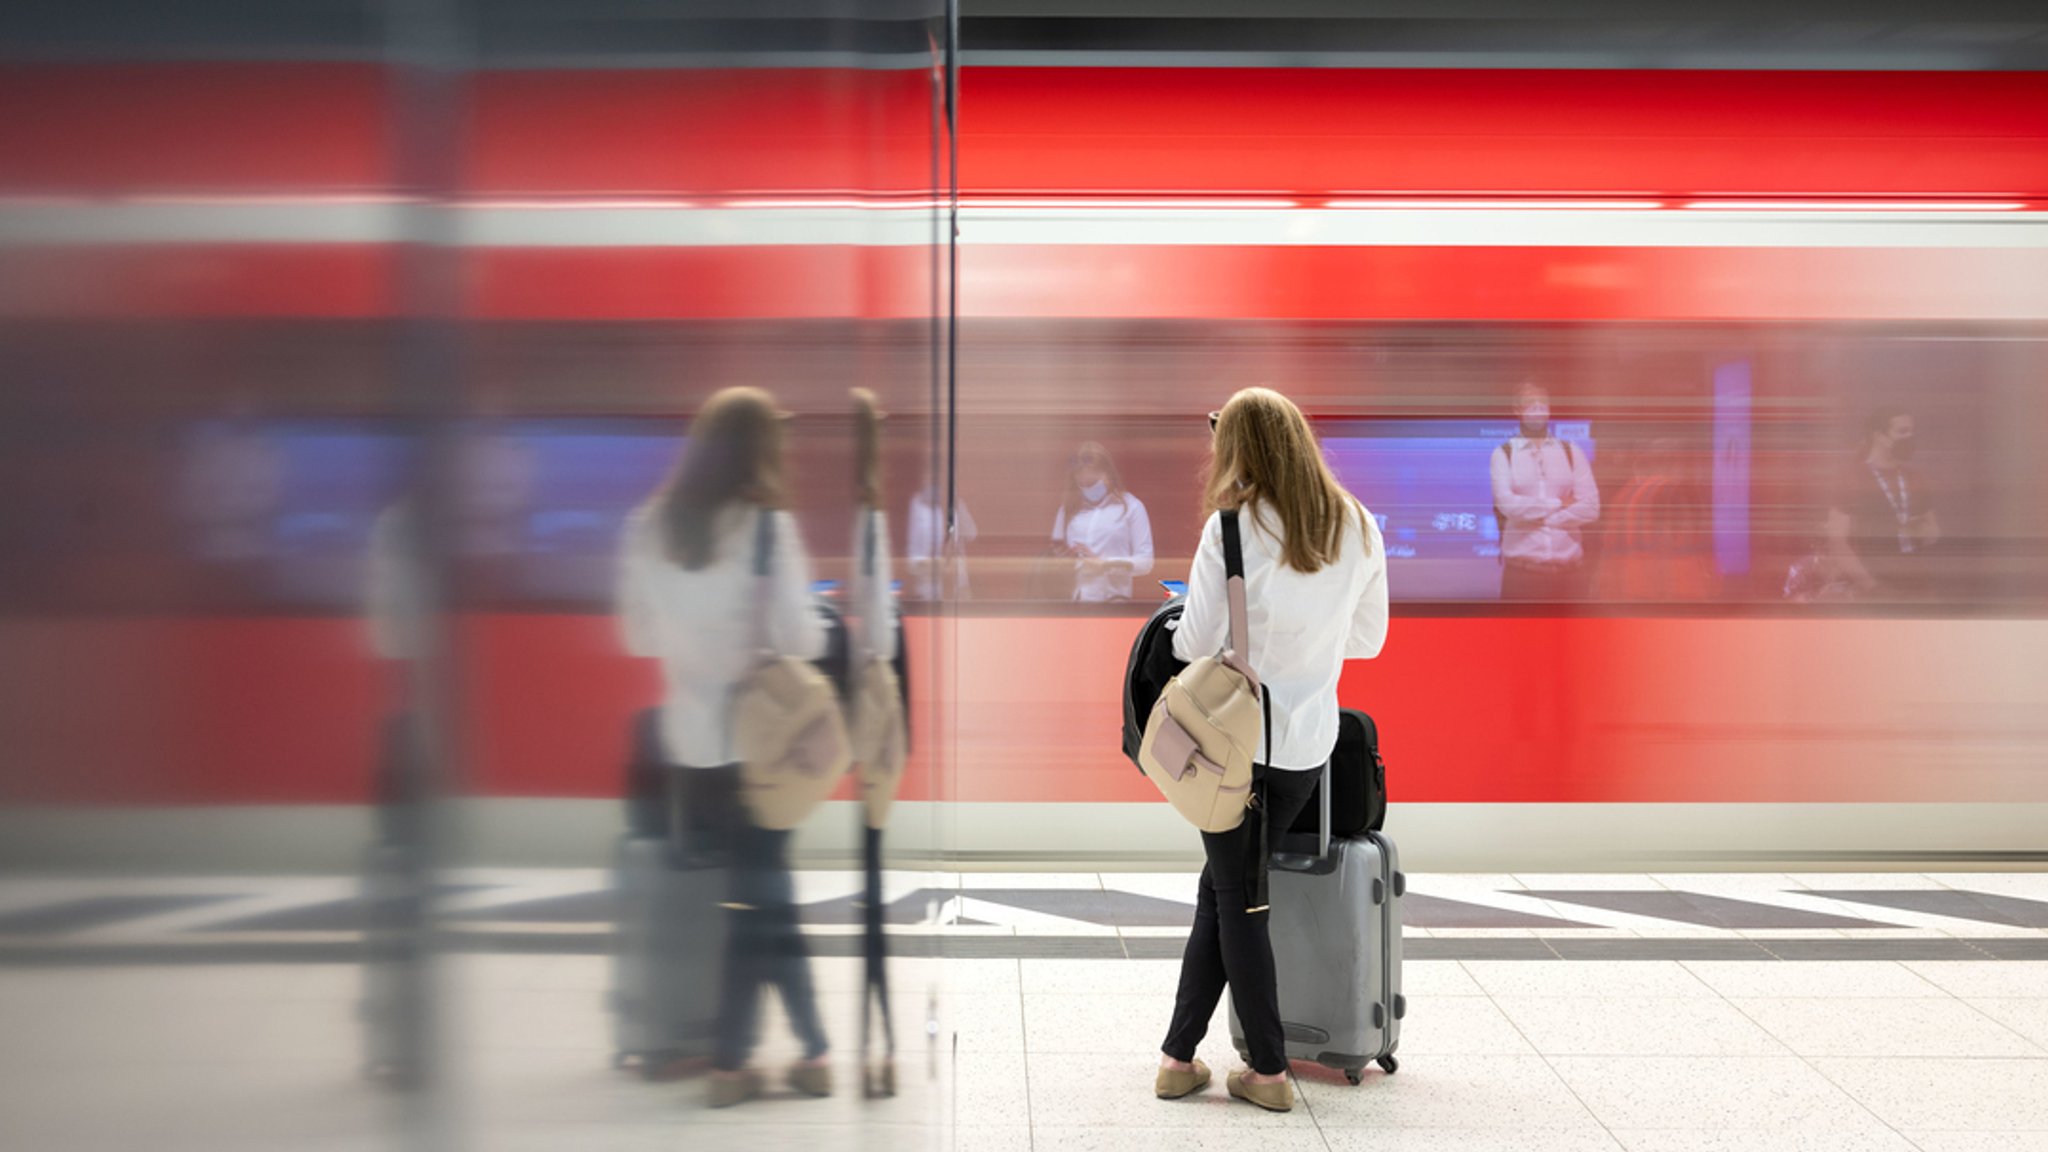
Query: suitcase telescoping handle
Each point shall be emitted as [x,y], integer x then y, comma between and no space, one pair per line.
[1323,828]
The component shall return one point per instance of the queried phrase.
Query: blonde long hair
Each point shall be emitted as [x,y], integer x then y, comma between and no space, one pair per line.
[734,454]
[1265,453]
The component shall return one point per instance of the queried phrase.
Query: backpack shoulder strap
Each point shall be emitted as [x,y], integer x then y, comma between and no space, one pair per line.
[1233,584]
[1240,625]
[764,551]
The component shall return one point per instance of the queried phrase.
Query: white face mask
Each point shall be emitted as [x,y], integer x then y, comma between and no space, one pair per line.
[1094,493]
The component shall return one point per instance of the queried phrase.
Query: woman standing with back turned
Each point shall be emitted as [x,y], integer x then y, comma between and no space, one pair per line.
[1315,579]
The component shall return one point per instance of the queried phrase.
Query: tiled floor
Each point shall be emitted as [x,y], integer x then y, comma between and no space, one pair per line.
[124,1022]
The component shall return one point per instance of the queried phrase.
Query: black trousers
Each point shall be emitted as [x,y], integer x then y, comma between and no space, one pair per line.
[1231,945]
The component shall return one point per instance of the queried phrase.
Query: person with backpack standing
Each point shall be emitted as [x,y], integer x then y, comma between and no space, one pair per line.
[693,594]
[1315,595]
[1545,496]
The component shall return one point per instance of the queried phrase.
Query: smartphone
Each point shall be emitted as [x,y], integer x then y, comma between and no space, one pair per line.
[1175,587]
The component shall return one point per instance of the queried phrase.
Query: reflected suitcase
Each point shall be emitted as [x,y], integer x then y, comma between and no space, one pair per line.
[1336,928]
[670,945]
[394,1008]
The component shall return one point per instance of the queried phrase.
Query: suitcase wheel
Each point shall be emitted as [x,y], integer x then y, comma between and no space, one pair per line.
[1389,1064]
[1354,1075]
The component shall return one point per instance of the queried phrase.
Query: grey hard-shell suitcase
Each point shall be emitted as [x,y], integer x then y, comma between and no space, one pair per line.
[1336,928]
[670,945]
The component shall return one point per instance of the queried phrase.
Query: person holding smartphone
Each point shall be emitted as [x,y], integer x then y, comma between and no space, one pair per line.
[1102,528]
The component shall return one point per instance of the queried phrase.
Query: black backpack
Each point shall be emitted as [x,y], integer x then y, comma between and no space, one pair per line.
[1151,665]
[1358,782]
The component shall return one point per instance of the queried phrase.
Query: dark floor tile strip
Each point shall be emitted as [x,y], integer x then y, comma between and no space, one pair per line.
[1477,948]
[1703,910]
[1896,949]
[1984,907]
[2015,948]
[1644,948]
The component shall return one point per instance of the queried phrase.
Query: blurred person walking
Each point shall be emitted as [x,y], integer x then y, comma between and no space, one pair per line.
[688,597]
[1545,496]
[1315,589]
[1881,521]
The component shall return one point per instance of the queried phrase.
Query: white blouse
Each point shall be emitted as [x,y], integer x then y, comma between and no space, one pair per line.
[701,624]
[1116,530]
[1302,625]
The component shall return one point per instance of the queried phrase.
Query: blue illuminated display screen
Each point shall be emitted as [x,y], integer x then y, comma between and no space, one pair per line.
[1429,482]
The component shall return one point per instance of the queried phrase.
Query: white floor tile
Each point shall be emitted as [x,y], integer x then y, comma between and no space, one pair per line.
[2027,1017]
[984,1139]
[1469,1140]
[1881,979]
[1422,979]
[1459,1026]
[1637,1026]
[1987,978]
[1578,978]
[1499,1092]
[1096,977]
[1947,1094]
[1075,1022]
[1979,1141]
[1177,1139]
[1874,1138]
[1909,1027]
[1760,1092]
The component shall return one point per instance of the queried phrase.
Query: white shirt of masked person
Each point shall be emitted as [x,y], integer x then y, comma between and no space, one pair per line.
[1530,491]
[1302,625]
[701,624]
[1115,531]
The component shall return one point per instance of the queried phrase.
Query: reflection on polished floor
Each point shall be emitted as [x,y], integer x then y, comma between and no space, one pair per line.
[1683,1013]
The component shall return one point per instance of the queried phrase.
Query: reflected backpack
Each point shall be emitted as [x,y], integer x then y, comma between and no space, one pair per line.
[877,727]
[788,730]
[1204,731]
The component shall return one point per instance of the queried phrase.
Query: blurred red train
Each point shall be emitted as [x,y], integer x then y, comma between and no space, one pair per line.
[213,269]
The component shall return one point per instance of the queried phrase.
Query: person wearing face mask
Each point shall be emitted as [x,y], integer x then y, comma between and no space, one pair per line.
[1545,495]
[1103,528]
[1881,523]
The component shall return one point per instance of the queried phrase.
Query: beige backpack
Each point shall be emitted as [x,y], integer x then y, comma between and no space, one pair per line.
[787,726]
[1205,729]
[880,735]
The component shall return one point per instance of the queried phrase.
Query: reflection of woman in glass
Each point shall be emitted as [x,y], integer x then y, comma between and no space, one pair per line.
[689,596]
[1102,526]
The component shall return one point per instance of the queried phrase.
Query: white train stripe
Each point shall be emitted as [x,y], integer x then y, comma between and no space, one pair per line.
[329,221]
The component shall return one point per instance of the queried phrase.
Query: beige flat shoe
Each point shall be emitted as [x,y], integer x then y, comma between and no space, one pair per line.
[811,1079]
[1272,1097]
[735,1088]
[1172,1085]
